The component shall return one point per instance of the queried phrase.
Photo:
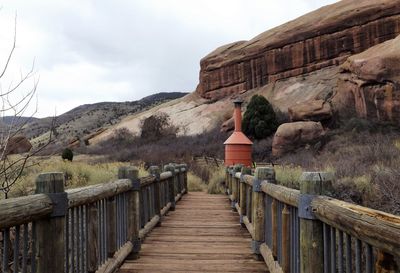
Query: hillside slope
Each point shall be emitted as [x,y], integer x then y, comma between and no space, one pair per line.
[85,120]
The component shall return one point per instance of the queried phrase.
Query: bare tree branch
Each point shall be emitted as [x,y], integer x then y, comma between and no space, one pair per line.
[11,168]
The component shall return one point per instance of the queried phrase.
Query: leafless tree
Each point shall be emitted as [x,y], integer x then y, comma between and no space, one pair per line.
[16,102]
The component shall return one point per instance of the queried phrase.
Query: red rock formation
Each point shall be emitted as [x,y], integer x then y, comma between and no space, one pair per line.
[319,39]
[18,145]
[311,110]
[370,84]
[290,136]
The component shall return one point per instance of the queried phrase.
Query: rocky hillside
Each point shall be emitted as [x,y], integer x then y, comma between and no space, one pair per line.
[323,38]
[85,121]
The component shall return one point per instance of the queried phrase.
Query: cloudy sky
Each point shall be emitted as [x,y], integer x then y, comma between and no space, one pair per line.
[88,51]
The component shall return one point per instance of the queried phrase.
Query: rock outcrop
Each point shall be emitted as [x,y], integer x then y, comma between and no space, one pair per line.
[18,145]
[228,125]
[290,136]
[370,84]
[311,110]
[316,40]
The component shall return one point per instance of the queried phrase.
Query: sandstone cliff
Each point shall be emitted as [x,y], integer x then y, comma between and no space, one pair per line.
[322,38]
[369,86]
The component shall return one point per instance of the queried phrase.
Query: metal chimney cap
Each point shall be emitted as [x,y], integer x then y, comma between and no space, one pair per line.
[238,101]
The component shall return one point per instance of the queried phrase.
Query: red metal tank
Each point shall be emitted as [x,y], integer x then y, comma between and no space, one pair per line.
[238,147]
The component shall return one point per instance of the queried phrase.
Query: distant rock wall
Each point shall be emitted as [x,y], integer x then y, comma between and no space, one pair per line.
[325,37]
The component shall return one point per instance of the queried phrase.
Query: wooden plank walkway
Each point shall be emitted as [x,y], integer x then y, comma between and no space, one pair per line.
[201,235]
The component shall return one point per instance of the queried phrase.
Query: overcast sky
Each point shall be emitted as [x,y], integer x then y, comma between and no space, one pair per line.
[102,50]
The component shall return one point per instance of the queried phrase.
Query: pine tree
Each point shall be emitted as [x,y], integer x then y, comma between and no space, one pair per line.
[259,120]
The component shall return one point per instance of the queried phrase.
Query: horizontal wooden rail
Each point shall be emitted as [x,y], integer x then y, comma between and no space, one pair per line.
[147,181]
[21,210]
[281,193]
[81,196]
[304,231]
[379,229]
[248,179]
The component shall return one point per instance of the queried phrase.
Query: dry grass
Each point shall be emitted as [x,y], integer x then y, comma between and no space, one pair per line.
[78,173]
[195,183]
[215,183]
[288,175]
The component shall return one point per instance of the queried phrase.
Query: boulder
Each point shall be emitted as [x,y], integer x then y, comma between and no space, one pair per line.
[18,145]
[322,38]
[290,136]
[370,83]
[311,110]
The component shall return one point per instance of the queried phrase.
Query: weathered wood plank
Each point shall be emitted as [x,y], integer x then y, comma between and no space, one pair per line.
[199,267]
[199,236]
[149,226]
[117,260]
[17,211]
[281,193]
[194,238]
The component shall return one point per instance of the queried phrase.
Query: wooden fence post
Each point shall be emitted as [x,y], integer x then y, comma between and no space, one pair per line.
[258,207]
[286,239]
[180,178]
[185,179]
[311,229]
[133,228]
[176,179]
[171,185]
[226,180]
[243,195]
[50,246]
[235,186]
[155,171]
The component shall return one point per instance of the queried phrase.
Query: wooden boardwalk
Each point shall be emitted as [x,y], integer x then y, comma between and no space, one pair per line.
[201,235]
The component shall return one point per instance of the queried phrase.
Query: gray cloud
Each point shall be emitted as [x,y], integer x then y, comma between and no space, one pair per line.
[89,51]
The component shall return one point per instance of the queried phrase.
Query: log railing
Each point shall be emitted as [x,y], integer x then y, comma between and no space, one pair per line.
[305,231]
[89,229]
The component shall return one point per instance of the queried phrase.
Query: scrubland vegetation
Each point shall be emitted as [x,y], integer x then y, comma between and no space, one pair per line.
[80,172]
[363,155]
[365,158]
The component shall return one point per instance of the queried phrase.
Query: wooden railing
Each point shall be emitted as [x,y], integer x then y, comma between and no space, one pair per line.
[305,231]
[89,229]
[208,161]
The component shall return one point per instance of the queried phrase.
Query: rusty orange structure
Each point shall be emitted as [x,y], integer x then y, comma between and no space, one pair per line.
[238,147]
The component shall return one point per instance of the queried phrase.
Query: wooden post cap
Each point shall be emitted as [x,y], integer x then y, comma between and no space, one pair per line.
[155,170]
[169,168]
[128,172]
[316,182]
[50,182]
[265,173]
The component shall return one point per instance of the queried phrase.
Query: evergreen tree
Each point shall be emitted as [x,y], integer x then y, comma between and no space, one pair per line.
[67,154]
[259,120]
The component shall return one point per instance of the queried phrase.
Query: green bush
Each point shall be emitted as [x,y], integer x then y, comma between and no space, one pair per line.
[259,120]
[67,154]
